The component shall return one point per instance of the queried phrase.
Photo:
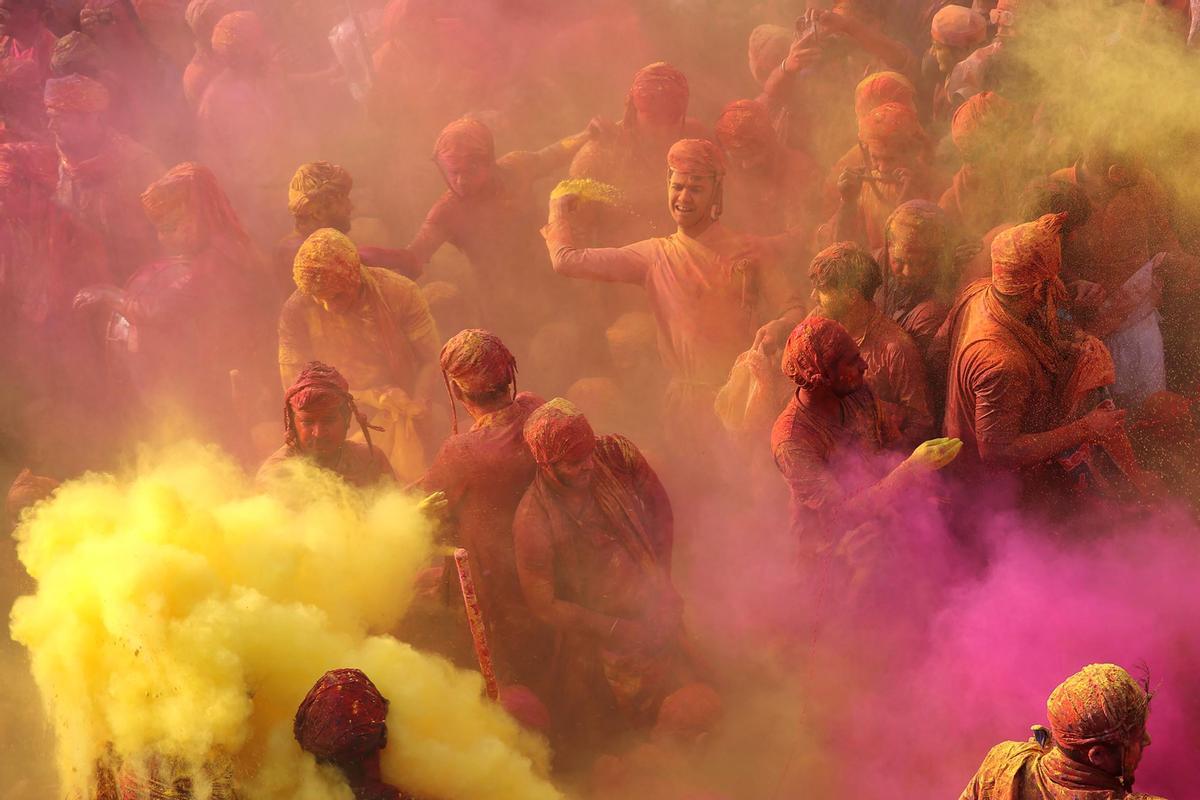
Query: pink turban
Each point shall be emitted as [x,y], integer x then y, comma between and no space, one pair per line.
[883,87]
[465,138]
[558,431]
[808,356]
[955,26]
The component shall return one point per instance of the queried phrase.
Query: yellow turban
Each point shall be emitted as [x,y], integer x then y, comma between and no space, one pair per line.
[327,264]
[316,187]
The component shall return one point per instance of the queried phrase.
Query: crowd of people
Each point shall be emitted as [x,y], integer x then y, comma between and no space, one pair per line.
[881,279]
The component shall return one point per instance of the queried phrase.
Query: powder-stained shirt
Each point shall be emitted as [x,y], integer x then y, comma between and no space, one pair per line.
[357,463]
[1028,771]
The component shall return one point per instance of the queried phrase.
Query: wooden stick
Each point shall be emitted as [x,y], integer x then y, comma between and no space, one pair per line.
[475,620]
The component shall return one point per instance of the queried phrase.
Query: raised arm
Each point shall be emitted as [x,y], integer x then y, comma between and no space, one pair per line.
[627,264]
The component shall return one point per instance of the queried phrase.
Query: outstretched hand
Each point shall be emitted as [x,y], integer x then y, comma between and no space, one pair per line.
[434,505]
[935,454]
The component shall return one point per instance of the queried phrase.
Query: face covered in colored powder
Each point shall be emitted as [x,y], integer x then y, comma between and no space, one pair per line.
[848,370]
[575,471]
[321,427]
[466,174]
[691,198]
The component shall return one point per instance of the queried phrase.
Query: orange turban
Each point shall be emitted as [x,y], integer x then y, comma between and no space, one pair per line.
[883,87]
[955,26]
[1099,704]
[343,718]
[893,123]
[239,37]
[978,122]
[660,81]
[696,157]
[327,264]
[808,356]
[75,93]
[769,45]
[317,186]
[558,431]
[1026,256]
[193,189]
[744,122]
[465,138]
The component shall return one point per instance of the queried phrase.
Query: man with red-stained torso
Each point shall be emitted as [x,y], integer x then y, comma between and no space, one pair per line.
[23,34]
[484,472]
[593,538]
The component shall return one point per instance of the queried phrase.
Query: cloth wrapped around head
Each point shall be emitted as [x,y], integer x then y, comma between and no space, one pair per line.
[190,188]
[1026,256]
[879,88]
[317,187]
[955,26]
[558,431]
[76,54]
[75,93]
[696,157]
[811,350]
[327,264]
[343,718]
[979,124]
[744,123]
[769,45]
[203,15]
[657,85]
[30,163]
[478,363]
[465,138]
[320,387]
[893,123]
[239,37]
[1100,704]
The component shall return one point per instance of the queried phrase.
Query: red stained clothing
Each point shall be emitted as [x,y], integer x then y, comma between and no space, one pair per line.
[39,52]
[778,199]
[1028,771]
[875,204]
[974,204]
[896,375]
[358,464]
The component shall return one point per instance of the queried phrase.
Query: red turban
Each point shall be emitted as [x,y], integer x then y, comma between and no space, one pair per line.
[979,123]
[239,37]
[893,123]
[883,87]
[1026,256]
[465,138]
[696,157]
[744,122]
[558,431]
[343,717]
[30,163]
[75,93]
[955,26]
[1099,704]
[808,356]
[660,81]
[478,361]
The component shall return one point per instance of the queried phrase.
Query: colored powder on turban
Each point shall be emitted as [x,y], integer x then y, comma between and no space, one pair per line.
[193,190]
[465,138]
[1026,256]
[744,123]
[769,45]
[318,187]
[75,93]
[893,123]
[327,264]
[478,361]
[883,87]
[589,189]
[319,387]
[239,38]
[696,157]
[343,718]
[558,431]
[979,124]
[203,15]
[809,357]
[955,26]
[659,82]
[29,163]
[1100,704]
[75,54]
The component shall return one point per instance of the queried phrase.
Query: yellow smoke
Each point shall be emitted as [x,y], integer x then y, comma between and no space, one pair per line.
[180,613]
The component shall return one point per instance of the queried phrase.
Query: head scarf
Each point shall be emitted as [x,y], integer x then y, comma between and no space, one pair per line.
[75,93]
[769,45]
[193,189]
[656,83]
[811,349]
[883,87]
[978,123]
[239,38]
[327,264]
[558,431]
[319,385]
[478,362]
[29,162]
[744,122]
[203,15]
[696,157]
[342,718]
[1026,256]
[75,54]
[955,26]
[1100,704]
[316,187]
[465,138]
[893,123]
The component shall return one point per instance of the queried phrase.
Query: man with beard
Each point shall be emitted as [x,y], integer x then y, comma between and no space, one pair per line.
[919,270]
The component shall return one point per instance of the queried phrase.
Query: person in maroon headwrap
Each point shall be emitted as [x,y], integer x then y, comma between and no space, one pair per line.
[489,212]
[1092,749]
[101,172]
[484,472]
[1023,387]
[983,192]
[593,538]
[24,35]
[343,721]
[898,151]
[655,118]
[317,411]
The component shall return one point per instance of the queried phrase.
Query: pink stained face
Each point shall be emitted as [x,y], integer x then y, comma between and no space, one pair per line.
[322,430]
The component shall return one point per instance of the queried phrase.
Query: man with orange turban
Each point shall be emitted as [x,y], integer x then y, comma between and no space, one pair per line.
[593,539]
[897,152]
[1023,389]
[484,472]
[101,172]
[318,410]
[655,117]
[707,296]
[983,192]
[489,213]
[376,326]
[1095,742]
